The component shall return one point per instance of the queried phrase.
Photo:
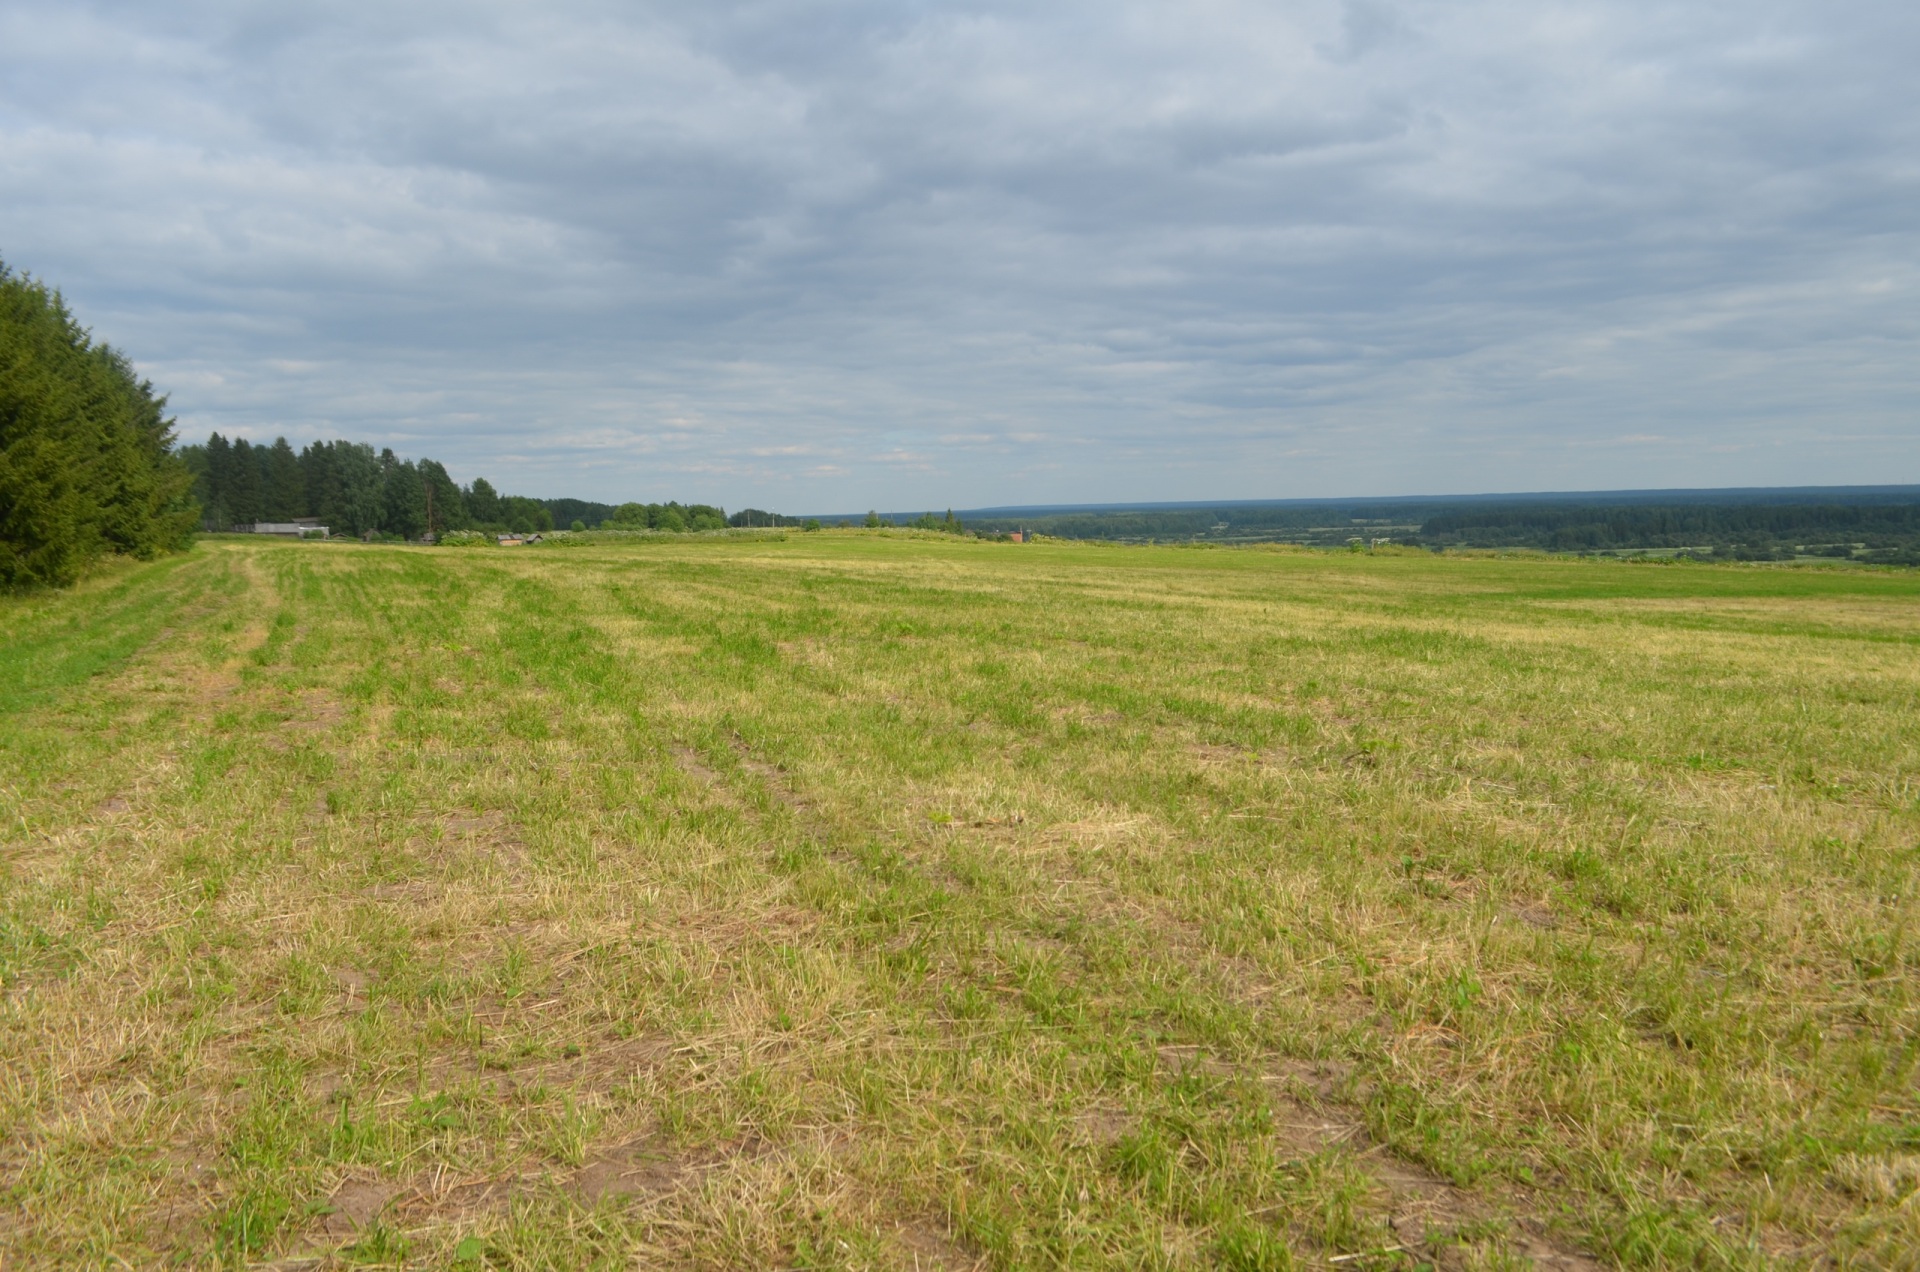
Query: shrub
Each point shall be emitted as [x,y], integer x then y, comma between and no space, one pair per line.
[466,539]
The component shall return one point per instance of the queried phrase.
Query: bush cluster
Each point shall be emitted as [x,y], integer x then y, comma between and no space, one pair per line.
[86,447]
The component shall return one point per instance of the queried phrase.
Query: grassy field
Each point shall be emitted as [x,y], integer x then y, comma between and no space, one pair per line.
[853,900]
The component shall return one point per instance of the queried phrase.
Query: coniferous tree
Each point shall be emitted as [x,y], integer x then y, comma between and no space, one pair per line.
[320,484]
[209,464]
[403,507]
[447,505]
[346,487]
[283,492]
[86,448]
[483,503]
[241,491]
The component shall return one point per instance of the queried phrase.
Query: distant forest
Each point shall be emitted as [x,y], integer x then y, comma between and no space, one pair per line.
[1880,526]
[351,488]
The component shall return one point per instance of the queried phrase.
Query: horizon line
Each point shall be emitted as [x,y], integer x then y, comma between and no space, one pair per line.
[1050,509]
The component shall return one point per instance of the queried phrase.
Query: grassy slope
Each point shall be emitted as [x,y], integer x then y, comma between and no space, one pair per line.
[867,901]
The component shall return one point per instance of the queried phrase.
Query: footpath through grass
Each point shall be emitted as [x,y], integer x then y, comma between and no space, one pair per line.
[887,901]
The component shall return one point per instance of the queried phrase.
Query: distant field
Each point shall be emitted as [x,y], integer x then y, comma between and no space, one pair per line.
[853,900]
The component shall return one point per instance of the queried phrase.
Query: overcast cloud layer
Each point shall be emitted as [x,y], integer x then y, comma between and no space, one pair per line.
[822,256]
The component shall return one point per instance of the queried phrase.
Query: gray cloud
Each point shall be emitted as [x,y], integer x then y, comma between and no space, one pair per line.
[830,255]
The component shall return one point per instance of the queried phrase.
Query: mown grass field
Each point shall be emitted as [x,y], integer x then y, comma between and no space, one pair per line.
[853,900]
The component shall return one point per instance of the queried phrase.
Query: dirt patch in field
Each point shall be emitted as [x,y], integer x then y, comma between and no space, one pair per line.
[355,1205]
[602,1067]
[704,776]
[208,686]
[1180,1060]
[694,767]
[490,834]
[587,1066]
[326,1086]
[774,777]
[1537,914]
[638,1169]
[319,711]
[1424,1211]
[412,892]
[1101,1126]
[641,1167]
[927,1247]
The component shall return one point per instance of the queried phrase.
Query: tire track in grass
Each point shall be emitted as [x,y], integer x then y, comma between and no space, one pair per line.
[1056,1063]
[50,642]
[1423,1209]
[766,792]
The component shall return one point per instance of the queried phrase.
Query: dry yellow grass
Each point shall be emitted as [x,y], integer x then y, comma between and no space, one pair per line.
[849,900]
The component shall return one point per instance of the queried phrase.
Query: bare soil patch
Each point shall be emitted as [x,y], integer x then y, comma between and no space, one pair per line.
[354,1206]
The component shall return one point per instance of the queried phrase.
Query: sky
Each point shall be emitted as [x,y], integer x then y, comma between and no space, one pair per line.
[815,256]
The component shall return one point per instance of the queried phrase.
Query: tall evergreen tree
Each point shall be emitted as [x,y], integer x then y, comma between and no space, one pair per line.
[216,515]
[283,492]
[346,487]
[447,507]
[241,491]
[86,447]
[403,508]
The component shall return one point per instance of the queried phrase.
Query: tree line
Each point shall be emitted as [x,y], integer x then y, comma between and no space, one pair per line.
[353,489]
[1655,525]
[87,467]
[1886,532]
[349,487]
[674,517]
[1879,525]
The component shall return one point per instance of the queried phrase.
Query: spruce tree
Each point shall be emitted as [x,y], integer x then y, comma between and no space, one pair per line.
[283,492]
[219,480]
[242,488]
[86,448]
